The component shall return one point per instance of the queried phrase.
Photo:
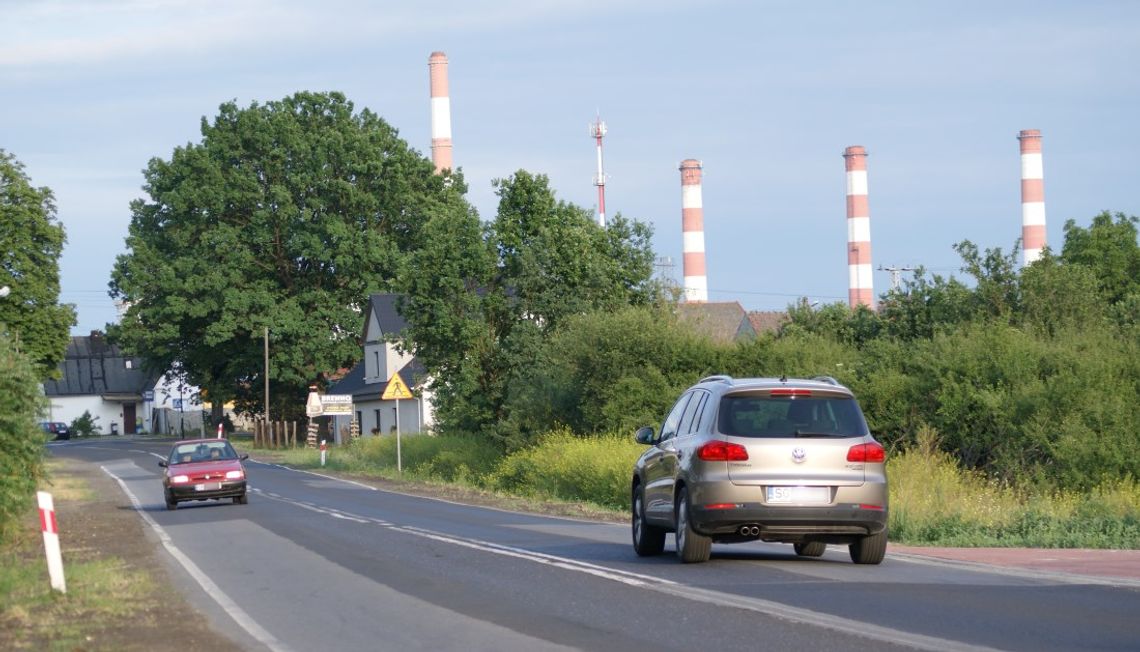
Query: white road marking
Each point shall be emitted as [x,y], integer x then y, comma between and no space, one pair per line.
[224,601]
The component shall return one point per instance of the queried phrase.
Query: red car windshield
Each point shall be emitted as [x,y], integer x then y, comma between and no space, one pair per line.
[202,452]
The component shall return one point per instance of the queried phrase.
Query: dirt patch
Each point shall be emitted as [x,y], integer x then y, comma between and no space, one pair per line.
[133,607]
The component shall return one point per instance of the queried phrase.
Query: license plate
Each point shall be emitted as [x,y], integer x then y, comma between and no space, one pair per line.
[799,495]
[210,486]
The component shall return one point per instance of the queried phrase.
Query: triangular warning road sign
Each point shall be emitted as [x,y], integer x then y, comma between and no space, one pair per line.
[396,389]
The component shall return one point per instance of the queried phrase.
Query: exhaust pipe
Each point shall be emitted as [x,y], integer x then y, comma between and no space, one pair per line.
[749,531]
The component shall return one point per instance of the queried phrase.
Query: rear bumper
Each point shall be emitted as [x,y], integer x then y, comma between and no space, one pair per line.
[189,492]
[831,523]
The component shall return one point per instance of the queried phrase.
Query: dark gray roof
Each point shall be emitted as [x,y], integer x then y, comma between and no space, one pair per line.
[383,306]
[723,322]
[353,382]
[94,367]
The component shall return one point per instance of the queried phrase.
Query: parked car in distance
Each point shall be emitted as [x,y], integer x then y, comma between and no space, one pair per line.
[58,429]
[761,459]
[203,469]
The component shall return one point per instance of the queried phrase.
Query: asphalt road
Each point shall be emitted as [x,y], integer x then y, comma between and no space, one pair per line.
[313,562]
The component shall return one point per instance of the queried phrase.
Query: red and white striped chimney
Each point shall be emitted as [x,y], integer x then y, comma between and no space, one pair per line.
[693,230]
[1032,196]
[440,112]
[859,285]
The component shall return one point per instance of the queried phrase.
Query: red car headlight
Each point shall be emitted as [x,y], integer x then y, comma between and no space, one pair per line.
[179,479]
[235,475]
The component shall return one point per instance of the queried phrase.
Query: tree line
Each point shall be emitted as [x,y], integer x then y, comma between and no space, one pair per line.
[287,215]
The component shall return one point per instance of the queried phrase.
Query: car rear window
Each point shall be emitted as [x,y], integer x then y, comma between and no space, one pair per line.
[790,416]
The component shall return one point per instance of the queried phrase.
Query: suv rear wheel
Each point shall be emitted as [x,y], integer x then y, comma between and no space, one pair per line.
[810,548]
[692,547]
[648,540]
[870,549]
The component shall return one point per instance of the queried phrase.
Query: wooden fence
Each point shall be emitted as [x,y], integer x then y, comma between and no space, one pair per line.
[275,434]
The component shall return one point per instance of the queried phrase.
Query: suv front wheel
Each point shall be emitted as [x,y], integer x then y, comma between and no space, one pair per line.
[692,547]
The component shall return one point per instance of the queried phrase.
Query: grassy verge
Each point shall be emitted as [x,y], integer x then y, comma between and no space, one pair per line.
[116,597]
[933,501]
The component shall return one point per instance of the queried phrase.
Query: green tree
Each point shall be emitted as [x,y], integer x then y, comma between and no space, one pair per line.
[609,370]
[921,307]
[1110,249]
[31,242]
[21,440]
[480,301]
[286,215]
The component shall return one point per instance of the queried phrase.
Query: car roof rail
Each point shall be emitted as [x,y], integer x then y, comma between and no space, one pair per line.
[827,379]
[718,378]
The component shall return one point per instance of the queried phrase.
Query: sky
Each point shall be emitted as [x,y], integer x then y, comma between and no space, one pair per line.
[765,94]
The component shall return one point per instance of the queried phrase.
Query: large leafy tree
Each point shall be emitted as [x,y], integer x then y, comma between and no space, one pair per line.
[1108,247]
[481,299]
[31,241]
[285,216]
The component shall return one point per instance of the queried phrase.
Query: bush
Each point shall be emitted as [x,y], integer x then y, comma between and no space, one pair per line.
[568,467]
[84,425]
[21,439]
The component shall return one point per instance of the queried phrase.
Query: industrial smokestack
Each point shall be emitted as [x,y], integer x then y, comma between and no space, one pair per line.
[1032,196]
[859,286]
[693,231]
[440,112]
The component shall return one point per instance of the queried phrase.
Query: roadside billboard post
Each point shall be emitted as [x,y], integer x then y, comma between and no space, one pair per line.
[396,390]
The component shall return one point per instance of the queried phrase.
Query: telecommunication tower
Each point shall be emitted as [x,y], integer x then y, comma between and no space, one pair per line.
[597,130]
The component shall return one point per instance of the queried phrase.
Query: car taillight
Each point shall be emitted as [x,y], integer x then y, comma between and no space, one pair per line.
[178,479]
[234,475]
[873,453]
[722,451]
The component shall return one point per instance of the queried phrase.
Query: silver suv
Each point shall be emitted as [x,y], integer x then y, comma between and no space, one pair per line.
[769,459]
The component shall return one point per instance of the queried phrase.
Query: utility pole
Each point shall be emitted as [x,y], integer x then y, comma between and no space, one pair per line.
[896,272]
[267,376]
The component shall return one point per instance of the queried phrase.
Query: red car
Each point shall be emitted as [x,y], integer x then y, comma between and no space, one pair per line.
[203,469]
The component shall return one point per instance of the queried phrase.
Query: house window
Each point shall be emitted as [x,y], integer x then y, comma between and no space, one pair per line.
[376,365]
[376,413]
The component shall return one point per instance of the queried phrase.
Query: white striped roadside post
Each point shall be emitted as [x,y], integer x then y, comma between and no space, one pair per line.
[51,541]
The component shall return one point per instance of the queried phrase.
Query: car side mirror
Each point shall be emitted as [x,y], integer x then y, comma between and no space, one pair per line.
[162,463]
[244,456]
[645,435]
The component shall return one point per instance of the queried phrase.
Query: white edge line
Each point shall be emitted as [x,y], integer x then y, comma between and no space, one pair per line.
[319,475]
[224,601]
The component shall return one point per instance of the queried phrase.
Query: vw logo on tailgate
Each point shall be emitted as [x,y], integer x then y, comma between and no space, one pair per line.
[799,455]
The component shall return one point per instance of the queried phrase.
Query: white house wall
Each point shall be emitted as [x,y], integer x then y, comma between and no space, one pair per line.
[411,421]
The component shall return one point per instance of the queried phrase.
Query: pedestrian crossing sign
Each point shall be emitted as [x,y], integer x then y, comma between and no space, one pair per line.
[396,389]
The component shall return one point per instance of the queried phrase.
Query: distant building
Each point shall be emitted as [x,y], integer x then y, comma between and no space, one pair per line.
[770,321]
[722,322]
[97,378]
[368,379]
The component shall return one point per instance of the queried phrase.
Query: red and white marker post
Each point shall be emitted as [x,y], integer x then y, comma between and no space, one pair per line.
[221,430]
[324,450]
[51,541]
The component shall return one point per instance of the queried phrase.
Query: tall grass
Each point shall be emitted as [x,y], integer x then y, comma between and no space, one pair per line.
[936,502]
